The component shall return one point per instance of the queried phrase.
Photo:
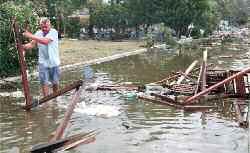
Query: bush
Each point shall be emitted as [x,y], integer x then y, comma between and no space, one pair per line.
[23,13]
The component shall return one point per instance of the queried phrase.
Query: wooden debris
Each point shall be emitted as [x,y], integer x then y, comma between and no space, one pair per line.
[88,138]
[63,143]
[184,89]
[70,87]
[172,103]
[23,66]
[60,130]
[188,70]
[241,73]
[117,87]
[159,101]
[204,71]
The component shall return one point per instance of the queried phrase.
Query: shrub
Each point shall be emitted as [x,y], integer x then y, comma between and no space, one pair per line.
[23,13]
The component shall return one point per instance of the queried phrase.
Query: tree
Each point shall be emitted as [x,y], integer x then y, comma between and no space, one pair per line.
[143,12]
[234,11]
[178,15]
[9,64]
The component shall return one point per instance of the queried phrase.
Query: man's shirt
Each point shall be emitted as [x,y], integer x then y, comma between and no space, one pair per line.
[49,54]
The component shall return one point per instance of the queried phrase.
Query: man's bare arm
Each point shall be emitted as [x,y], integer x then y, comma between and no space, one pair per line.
[40,40]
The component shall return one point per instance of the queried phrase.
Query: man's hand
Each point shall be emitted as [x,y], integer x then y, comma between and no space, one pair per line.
[29,45]
[28,34]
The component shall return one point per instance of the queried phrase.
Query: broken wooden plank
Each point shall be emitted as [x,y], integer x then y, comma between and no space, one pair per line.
[23,66]
[47,147]
[111,88]
[199,80]
[170,102]
[191,99]
[188,70]
[60,130]
[204,77]
[70,87]
[198,107]
[240,86]
[90,137]
[159,101]
[167,78]
[60,144]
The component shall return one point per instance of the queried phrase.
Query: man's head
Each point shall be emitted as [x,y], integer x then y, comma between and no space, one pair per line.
[44,24]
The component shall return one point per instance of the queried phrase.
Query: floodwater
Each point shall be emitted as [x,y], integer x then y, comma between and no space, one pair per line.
[126,125]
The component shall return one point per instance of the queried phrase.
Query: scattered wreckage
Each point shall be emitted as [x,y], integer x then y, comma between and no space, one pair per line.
[191,89]
[182,90]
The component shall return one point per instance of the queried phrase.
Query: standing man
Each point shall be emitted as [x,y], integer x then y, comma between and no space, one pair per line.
[46,39]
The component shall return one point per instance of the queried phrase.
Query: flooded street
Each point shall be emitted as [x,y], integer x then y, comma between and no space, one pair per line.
[126,124]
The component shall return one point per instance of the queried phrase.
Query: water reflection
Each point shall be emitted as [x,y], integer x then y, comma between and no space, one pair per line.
[145,68]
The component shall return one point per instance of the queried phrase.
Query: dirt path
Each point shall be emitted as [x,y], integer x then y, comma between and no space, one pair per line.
[78,51]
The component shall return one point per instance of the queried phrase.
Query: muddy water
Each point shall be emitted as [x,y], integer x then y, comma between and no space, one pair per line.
[139,127]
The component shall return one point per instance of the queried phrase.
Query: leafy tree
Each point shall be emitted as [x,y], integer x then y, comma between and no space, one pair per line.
[235,11]
[143,12]
[110,17]
[178,15]
[9,64]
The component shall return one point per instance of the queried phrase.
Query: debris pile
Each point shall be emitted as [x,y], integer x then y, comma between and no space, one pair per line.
[189,90]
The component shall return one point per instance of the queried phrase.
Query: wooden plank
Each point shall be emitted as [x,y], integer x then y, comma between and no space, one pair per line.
[70,87]
[159,101]
[199,80]
[60,129]
[204,78]
[170,102]
[188,70]
[240,86]
[23,67]
[86,139]
[60,144]
[47,147]
[167,78]
[198,107]
[117,88]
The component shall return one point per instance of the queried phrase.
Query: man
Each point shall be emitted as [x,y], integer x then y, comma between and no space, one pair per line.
[46,40]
